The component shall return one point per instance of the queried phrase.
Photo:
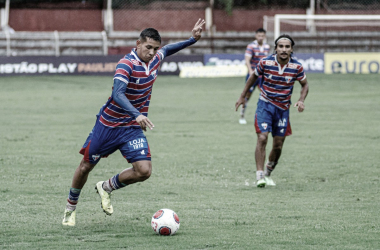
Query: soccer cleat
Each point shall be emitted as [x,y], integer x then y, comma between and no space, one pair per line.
[269,181]
[69,218]
[261,183]
[242,121]
[106,198]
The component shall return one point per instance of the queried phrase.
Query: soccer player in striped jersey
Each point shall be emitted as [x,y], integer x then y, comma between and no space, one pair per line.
[279,72]
[255,51]
[121,121]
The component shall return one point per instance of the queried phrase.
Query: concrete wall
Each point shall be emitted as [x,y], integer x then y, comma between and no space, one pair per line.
[137,20]
[53,19]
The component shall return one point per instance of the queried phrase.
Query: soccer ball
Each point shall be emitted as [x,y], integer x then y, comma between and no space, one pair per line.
[165,222]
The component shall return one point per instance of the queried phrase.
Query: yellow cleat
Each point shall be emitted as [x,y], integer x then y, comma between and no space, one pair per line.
[106,198]
[269,181]
[261,183]
[69,218]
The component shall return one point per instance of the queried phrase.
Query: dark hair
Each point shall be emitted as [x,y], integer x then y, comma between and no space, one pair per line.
[151,33]
[284,36]
[261,30]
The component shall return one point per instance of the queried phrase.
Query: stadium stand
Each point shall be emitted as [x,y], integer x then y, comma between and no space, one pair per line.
[88,33]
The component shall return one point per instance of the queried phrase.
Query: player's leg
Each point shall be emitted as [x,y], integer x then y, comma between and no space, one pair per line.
[79,179]
[263,125]
[260,153]
[136,150]
[96,146]
[274,156]
[140,171]
[81,174]
[281,129]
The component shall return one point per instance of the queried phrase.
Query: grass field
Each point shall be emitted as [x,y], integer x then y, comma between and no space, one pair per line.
[328,179]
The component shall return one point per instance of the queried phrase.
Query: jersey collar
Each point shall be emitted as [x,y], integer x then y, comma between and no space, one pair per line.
[144,64]
[281,69]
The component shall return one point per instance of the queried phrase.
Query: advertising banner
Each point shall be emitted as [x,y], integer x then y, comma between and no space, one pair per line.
[311,62]
[214,71]
[172,65]
[85,65]
[63,65]
[224,59]
[352,63]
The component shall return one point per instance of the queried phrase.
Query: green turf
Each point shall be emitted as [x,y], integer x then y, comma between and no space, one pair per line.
[327,193]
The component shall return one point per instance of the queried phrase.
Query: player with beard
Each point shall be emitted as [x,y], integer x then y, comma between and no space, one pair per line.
[279,72]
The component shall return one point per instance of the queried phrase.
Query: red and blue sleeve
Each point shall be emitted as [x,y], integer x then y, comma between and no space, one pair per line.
[301,74]
[118,95]
[173,48]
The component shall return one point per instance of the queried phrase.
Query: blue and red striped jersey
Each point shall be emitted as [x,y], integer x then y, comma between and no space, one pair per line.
[256,52]
[278,81]
[139,77]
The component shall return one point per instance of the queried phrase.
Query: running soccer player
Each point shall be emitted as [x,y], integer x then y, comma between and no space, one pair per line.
[279,72]
[253,54]
[121,121]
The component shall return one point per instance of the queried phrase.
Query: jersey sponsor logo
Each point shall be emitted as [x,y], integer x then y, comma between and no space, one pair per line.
[292,65]
[95,157]
[282,123]
[270,63]
[137,144]
[264,125]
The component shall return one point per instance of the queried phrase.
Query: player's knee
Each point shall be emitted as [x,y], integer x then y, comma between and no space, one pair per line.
[85,167]
[277,144]
[262,139]
[144,171]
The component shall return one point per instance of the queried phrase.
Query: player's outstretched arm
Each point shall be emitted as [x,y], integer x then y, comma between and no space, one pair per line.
[173,48]
[118,94]
[304,91]
[241,101]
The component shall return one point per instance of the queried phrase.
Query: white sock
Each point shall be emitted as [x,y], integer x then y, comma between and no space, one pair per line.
[259,174]
[270,167]
[107,187]
[70,207]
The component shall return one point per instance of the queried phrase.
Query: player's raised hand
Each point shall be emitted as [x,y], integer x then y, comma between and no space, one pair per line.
[144,122]
[300,106]
[197,30]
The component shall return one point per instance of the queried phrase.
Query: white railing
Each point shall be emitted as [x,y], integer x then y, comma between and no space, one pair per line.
[53,43]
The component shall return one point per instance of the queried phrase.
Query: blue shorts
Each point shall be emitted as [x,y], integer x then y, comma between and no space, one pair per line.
[103,141]
[269,118]
[258,81]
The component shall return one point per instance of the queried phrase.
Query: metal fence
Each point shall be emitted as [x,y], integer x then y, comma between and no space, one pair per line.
[42,27]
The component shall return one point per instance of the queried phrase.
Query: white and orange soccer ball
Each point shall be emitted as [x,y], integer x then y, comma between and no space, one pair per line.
[165,222]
